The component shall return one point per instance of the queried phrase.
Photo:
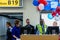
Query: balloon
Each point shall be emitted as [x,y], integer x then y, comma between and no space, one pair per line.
[57,14]
[53,9]
[59,4]
[58,9]
[43,2]
[41,6]
[50,16]
[47,7]
[35,3]
[40,1]
[38,9]
[54,13]
[57,18]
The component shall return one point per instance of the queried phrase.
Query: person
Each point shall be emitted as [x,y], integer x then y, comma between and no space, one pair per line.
[54,23]
[41,27]
[16,31]
[9,31]
[52,28]
[30,28]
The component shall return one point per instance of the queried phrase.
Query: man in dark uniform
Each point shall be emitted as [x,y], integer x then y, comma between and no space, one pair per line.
[9,31]
[29,27]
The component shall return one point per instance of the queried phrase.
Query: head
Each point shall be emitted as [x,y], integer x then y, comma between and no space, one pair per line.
[27,21]
[8,24]
[54,23]
[17,23]
[41,22]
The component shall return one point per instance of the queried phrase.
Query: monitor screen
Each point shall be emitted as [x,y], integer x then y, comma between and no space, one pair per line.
[53,30]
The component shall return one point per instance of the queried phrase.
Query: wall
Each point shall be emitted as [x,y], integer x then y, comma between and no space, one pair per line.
[29,11]
[3,21]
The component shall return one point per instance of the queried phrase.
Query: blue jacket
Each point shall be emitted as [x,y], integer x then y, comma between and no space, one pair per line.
[16,31]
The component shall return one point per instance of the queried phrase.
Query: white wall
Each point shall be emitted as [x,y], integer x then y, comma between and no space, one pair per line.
[29,11]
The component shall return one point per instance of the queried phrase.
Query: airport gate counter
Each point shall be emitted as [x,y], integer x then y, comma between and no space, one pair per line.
[52,34]
[39,37]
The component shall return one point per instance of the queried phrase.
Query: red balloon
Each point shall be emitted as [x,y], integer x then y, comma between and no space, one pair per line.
[54,13]
[38,9]
[40,1]
[58,9]
[43,2]
[59,13]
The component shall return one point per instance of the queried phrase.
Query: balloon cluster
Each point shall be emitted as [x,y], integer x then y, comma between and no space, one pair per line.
[45,5]
[55,14]
[40,4]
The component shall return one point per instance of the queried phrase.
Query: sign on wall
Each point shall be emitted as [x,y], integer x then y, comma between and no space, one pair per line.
[51,5]
[11,3]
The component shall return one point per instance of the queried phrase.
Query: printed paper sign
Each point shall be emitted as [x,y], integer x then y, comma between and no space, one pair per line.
[54,4]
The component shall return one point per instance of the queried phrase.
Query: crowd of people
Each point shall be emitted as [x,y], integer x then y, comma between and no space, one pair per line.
[14,33]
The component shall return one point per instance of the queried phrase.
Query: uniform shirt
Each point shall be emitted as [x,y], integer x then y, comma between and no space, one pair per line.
[30,29]
[16,31]
[9,33]
[43,29]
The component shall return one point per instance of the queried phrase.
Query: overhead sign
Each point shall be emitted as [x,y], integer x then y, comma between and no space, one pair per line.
[10,3]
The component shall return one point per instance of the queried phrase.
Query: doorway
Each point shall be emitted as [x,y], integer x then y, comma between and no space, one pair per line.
[8,17]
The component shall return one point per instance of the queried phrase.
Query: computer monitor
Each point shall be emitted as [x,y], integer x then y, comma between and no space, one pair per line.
[23,30]
[26,30]
[53,30]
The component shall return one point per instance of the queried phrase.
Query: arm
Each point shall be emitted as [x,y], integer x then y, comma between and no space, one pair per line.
[36,28]
[33,30]
[47,32]
[14,36]
[13,33]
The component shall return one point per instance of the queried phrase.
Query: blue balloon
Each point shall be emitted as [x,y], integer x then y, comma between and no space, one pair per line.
[55,0]
[35,3]
[35,0]
[50,16]
[48,6]
[59,4]
[53,9]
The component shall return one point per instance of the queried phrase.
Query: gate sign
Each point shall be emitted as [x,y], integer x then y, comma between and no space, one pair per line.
[10,3]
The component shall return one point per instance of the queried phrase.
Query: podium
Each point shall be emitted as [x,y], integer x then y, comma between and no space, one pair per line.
[39,37]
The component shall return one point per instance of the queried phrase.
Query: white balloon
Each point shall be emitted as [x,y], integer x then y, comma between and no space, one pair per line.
[41,6]
[57,18]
